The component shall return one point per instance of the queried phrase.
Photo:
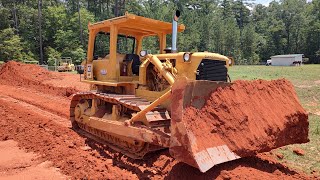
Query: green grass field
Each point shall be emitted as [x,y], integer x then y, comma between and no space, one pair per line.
[306,80]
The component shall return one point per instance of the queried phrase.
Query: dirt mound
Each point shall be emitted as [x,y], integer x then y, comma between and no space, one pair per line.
[31,76]
[13,70]
[244,168]
[251,117]
[246,117]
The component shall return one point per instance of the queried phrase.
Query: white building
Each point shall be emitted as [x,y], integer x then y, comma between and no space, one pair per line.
[286,60]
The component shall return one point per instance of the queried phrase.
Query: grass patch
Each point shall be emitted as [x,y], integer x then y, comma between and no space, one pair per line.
[306,80]
[299,75]
[311,160]
[70,72]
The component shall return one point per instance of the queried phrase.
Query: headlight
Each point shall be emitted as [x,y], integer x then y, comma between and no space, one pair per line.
[186,57]
[143,53]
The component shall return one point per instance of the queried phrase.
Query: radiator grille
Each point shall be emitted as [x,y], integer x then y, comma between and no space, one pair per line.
[212,70]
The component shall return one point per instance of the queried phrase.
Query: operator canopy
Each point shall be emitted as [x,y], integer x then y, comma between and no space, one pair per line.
[133,25]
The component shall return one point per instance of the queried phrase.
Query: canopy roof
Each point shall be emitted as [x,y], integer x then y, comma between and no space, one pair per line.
[134,25]
[286,56]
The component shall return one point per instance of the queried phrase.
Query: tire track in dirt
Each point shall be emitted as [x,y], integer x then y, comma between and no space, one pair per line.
[54,104]
[17,164]
[37,110]
[38,133]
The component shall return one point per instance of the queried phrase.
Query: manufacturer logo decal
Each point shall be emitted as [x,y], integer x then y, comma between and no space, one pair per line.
[103,71]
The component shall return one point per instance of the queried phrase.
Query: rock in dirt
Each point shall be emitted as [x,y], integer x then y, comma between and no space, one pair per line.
[86,148]
[226,175]
[279,155]
[109,161]
[71,145]
[298,151]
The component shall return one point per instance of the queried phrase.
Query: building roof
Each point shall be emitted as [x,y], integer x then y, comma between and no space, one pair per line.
[286,56]
[131,24]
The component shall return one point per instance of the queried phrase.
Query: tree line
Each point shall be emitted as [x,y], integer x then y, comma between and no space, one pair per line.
[251,33]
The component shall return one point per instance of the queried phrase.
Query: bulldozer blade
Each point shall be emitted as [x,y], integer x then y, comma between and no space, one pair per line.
[228,142]
[183,142]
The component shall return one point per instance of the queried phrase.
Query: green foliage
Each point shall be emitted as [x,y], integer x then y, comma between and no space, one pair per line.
[249,45]
[251,34]
[28,56]
[86,17]
[27,28]
[5,18]
[53,56]
[55,20]
[10,45]
[77,55]
[65,40]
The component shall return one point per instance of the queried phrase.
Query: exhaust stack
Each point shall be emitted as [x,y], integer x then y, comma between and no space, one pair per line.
[175,31]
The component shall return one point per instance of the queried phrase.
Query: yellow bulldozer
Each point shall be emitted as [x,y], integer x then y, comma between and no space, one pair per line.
[65,65]
[129,106]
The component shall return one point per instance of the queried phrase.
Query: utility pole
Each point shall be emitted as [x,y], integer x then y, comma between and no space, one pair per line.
[79,18]
[40,33]
[241,22]
[15,15]
[116,8]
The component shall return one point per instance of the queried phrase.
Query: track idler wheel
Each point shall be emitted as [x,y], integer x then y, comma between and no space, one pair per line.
[79,113]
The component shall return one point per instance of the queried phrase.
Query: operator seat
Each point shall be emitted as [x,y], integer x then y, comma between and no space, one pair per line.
[135,62]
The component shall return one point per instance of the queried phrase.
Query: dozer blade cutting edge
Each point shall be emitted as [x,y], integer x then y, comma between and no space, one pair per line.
[216,122]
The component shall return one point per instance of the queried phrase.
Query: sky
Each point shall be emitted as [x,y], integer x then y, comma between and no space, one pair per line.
[266,2]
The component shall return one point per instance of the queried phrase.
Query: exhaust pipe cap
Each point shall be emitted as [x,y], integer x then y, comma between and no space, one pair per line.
[175,31]
[176,15]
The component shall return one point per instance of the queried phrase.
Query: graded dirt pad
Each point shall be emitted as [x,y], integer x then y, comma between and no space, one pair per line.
[44,102]
[37,120]
[38,78]
[53,141]
[17,164]
[249,117]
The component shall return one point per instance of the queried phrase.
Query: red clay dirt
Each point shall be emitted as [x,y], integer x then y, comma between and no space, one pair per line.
[35,77]
[249,117]
[36,119]
[17,164]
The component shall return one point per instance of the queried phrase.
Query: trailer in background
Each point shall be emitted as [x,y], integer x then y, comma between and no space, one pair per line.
[286,60]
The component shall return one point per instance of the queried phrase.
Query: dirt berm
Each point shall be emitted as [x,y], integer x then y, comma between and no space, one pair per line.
[237,120]
[35,77]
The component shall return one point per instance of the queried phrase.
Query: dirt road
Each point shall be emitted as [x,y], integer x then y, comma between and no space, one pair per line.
[37,120]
